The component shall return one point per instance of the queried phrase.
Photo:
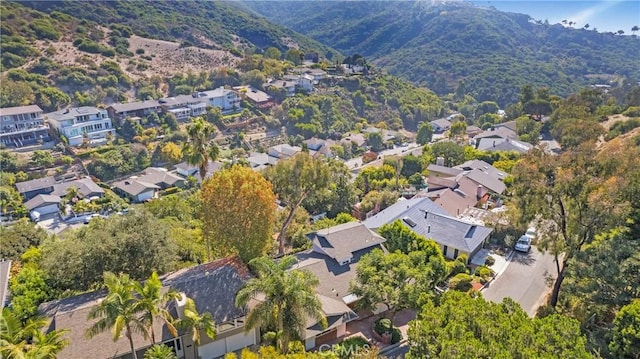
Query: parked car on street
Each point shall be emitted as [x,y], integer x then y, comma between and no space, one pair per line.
[523,244]
[531,233]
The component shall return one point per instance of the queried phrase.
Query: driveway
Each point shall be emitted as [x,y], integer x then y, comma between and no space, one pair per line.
[525,280]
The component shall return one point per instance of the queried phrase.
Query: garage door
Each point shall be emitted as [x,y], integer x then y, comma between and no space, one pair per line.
[241,340]
[213,350]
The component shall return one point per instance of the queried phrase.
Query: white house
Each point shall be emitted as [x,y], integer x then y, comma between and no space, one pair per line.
[22,126]
[76,123]
[225,99]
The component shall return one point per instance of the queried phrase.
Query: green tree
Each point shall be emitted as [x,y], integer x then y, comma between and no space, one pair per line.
[26,339]
[238,212]
[152,303]
[171,153]
[288,299]
[456,325]
[194,322]
[294,55]
[273,53]
[29,289]
[452,153]
[200,149]
[410,165]
[374,139]
[11,202]
[570,198]
[626,331]
[396,279]
[8,161]
[294,180]
[425,133]
[458,129]
[118,311]
[42,158]
[160,351]
[18,238]
[137,244]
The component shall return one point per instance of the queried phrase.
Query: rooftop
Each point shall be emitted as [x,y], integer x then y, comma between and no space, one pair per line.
[72,112]
[85,186]
[10,111]
[341,241]
[134,187]
[35,184]
[40,200]
[397,211]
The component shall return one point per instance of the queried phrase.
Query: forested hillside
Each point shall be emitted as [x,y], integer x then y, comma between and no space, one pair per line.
[208,24]
[493,52]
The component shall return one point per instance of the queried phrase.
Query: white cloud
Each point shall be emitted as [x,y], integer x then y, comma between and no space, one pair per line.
[584,16]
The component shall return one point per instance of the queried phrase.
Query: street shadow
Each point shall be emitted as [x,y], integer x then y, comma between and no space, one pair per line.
[523,258]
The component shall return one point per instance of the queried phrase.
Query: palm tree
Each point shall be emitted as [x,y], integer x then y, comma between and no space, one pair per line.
[152,302]
[119,311]
[26,340]
[160,351]
[195,322]
[200,149]
[286,299]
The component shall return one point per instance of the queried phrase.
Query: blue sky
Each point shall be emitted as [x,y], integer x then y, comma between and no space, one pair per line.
[609,15]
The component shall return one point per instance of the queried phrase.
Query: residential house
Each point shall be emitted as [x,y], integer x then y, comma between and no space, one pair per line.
[78,123]
[22,126]
[85,186]
[332,259]
[183,107]
[120,111]
[387,135]
[509,145]
[485,175]
[511,125]
[212,286]
[355,138]
[135,190]
[184,169]
[318,146]
[225,99]
[318,74]
[43,204]
[32,188]
[440,125]
[161,177]
[436,170]
[454,236]
[283,151]
[473,131]
[5,274]
[305,83]
[258,98]
[277,85]
[259,161]
[454,195]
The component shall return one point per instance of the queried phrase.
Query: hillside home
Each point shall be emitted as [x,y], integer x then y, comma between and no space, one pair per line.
[79,123]
[288,86]
[184,169]
[319,147]
[283,151]
[161,177]
[134,190]
[183,107]
[119,111]
[85,187]
[333,259]
[225,99]
[355,138]
[212,286]
[32,188]
[440,125]
[43,204]
[22,126]
[454,236]
[503,144]
[260,99]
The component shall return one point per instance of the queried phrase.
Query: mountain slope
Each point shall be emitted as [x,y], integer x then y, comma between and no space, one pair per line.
[494,52]
[206,24]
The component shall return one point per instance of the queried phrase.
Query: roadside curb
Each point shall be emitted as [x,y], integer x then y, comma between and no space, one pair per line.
[392,347]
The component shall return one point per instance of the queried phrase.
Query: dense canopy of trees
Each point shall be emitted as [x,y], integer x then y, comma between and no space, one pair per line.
[455,325]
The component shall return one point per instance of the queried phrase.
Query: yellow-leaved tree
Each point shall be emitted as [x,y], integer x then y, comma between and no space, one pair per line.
[238,212]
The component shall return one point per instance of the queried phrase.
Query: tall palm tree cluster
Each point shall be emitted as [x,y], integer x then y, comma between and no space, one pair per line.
[286,299]
[133,307]
[26,340]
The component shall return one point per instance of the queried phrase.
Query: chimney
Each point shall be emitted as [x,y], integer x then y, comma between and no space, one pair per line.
[479,192]
[426,214]
[440,161]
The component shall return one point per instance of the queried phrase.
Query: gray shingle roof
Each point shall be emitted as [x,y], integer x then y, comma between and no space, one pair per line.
[398,210]
[443,229]
[212,286]
[493,183]
[85,186]
[341,241]
[442,123]
[41,200]
[443,170]
[36,184]
[158,176]
[508,145]
[134,187]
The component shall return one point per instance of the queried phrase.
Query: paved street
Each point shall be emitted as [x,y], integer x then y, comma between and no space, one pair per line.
[524,280]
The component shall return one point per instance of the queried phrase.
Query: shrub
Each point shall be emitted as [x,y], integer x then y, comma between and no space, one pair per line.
[396,335]
[382,325]
[347,348]
[456,267]
[489,261]
[483,272]
[632,111]
[139,51]
[461,282]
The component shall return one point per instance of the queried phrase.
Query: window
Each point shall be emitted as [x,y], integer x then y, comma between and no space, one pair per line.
[444,251]
[455,254]
[409,221]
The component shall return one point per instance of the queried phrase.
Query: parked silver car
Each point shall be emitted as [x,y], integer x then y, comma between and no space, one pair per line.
[523,244]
